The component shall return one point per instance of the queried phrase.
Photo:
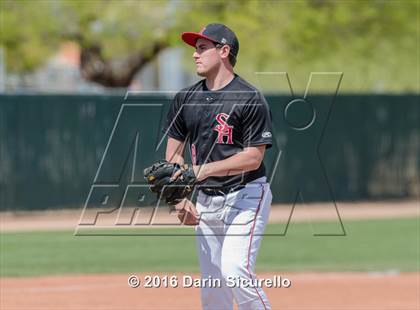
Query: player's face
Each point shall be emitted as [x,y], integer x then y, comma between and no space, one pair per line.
[206,56]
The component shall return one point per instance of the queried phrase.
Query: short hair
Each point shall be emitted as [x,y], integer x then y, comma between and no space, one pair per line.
[232,58]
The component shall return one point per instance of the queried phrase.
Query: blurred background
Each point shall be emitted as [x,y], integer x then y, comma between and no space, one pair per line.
[106,46]
[65,67]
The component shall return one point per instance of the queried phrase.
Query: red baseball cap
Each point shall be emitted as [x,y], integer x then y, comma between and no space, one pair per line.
[217,33]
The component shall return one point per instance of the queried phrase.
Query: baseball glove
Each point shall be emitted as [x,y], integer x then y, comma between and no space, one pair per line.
[159,177]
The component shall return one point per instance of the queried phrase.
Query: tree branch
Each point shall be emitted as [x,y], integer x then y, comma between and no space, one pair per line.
[115,72]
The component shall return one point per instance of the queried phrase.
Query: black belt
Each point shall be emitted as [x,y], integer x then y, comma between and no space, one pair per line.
[221,191]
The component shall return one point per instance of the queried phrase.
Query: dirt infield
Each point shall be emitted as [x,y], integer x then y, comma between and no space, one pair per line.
[68,219]
[320,291]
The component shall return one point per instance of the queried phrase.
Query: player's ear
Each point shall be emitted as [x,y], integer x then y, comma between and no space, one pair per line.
[225,51]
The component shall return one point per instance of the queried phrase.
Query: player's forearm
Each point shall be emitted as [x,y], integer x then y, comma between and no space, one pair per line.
[239,163]
[175,151]
[175,159]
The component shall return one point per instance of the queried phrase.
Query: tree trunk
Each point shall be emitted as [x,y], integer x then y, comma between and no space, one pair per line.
[115,72]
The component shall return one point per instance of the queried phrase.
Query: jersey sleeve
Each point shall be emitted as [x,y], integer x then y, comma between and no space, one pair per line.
[257,128]
[175,125]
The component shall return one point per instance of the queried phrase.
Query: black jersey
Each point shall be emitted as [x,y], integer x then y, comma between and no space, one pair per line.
[219,124]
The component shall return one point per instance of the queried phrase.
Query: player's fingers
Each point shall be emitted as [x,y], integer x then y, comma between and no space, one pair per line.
[188,218]
[176,175]
[193,210]
[181,216]
[181,205]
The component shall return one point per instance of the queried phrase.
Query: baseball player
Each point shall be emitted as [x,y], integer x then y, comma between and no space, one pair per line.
[226,124]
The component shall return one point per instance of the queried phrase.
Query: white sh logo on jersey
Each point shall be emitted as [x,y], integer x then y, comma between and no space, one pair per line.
[266,134]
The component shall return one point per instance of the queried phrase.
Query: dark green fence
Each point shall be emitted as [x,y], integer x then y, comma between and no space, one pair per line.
[350,148]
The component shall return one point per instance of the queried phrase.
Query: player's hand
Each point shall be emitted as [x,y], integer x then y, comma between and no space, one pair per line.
[198,171]
[187,213]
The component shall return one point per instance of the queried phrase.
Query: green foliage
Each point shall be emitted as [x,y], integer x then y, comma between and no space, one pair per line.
[32,30]
[375,43]
[370,245]
[27,35]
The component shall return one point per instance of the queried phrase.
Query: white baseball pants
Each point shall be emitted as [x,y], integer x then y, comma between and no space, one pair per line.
[228,239]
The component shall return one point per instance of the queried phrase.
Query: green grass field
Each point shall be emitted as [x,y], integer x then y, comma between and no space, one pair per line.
[370,245]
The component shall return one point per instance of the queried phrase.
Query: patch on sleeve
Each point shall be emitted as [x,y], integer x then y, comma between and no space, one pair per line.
[266,134]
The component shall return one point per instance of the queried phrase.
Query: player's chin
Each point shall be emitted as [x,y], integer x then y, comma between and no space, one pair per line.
[200,71]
